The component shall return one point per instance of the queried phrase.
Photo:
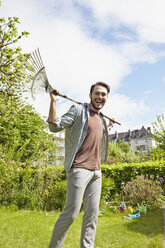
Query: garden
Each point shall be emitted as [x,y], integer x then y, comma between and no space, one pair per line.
[32,199]
[33,186]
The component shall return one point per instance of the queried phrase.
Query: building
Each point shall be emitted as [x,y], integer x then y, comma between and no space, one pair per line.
[60,140]
[138,140]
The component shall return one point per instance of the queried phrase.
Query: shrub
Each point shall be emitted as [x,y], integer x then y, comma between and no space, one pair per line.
[107,188]
[157,153]
[123,173]
[29,187]
[115,153]
[56,197]
[143,191]
[121,153]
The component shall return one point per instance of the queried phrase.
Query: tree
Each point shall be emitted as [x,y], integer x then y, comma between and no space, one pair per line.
[157,153]
[120,152]
[13,64]
[23,133]
[115,153]
[124,146]
[159,131]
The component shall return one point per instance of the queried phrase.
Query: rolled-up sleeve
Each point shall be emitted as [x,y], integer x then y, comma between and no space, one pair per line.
[64,122]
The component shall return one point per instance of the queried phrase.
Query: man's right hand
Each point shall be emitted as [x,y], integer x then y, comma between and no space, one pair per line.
[52,111]
[54,98]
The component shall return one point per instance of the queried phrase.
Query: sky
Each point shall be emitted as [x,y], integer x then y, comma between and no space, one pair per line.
[119,42]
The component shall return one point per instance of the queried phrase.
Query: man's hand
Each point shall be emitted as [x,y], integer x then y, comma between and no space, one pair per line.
[54,98]
[52,110]
[110,125]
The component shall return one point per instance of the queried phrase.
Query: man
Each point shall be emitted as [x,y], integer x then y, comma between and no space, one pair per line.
[86,144]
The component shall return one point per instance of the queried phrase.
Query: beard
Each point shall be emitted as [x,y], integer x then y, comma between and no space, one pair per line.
[97,108]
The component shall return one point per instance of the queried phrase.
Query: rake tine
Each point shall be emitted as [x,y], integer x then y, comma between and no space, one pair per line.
[41,62]
[32,64]
[45,76]
[40,57]
[36,61]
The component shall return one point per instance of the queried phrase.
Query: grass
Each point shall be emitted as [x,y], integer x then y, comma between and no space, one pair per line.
[32,229]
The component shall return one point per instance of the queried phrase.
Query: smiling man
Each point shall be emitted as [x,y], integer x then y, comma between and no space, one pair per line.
[86,144]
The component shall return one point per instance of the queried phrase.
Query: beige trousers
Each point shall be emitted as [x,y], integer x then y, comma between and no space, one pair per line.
[82,185]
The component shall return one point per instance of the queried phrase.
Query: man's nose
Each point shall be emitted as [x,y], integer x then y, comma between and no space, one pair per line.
[100,95]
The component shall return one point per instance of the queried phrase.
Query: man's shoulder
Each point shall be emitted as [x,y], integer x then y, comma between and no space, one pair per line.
[78,110]
[80,106]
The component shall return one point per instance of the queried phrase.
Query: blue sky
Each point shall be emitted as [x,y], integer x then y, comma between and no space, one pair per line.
[121,42]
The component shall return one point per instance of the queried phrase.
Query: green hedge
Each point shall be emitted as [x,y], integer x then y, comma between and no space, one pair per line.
[123,173]
[32,187]
[38,187]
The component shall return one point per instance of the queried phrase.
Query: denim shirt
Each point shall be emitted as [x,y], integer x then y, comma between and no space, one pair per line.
[75,123]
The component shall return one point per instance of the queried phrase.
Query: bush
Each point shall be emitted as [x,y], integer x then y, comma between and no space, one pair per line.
[120,152]
[157,154]
[143,191]
[107,188]
[115,153]
[56,197]
[123,173]
[30,187]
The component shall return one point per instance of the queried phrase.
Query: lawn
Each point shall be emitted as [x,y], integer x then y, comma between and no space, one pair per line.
[32,229]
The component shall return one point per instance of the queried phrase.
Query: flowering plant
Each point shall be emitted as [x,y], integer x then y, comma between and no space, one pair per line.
[143,191]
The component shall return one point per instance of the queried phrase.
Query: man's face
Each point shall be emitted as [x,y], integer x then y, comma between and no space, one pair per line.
[98,97]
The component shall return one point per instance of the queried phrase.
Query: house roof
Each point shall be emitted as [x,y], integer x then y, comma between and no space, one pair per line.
[127,136]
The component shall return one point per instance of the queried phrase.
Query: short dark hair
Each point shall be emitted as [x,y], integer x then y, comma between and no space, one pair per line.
[101,84]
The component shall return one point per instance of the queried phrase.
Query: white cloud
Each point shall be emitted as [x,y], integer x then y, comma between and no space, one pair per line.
[120,107]
[144,17]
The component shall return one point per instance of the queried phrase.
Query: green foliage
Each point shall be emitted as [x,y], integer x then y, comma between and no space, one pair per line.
[157,154]
[56,197]
[123,173]
[13,64]
[23,134]
[52,187]
[25,144]
[124,146]
[159,131]
[30,187]
[121,153]
[143,191]
[115,153]
[107,188]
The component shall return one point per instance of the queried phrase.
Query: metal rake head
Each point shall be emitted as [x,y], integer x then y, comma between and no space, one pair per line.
[40,81]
